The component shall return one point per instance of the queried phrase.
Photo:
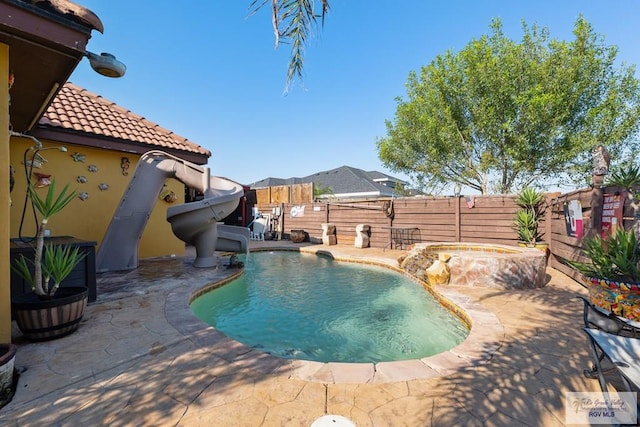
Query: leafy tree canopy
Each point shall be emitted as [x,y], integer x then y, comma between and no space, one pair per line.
[501,115]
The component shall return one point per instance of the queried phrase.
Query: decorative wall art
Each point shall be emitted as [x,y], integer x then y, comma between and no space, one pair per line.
[167,195]
[573,218]
[42,180]
[124,165]
[36,161]
[612,207]
[12,182]
[78,157]
[12,80]
[297,211]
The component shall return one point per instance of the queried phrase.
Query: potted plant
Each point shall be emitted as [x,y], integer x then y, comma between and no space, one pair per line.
[528,217]
[50,311]
[7,372]
[612,273]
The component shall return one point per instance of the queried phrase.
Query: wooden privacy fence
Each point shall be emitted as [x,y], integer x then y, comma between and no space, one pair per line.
[479,219]
[564,247]
[296,193]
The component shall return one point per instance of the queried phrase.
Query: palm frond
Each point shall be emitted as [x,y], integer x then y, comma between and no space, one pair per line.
[293,21]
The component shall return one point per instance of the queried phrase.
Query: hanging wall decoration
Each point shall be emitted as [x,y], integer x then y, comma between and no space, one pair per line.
[124,165]
[12,79]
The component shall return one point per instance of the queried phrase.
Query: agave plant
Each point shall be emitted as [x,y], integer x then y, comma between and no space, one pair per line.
[614,257]
[58,261]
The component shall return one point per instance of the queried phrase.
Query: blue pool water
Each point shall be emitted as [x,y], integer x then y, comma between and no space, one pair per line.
[309,307]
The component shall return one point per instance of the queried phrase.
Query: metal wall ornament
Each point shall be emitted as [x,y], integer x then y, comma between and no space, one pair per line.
[37,161]
[92,168]
[83,196]
[78,157]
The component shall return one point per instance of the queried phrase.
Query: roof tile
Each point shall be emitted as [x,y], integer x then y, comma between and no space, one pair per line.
[77,109]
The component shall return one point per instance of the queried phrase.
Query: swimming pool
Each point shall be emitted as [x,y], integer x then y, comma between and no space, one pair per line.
[309,307]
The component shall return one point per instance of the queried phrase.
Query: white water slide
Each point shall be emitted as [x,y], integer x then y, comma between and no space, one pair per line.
[194,223]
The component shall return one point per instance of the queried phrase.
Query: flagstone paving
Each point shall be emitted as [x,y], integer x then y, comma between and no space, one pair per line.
[140,358]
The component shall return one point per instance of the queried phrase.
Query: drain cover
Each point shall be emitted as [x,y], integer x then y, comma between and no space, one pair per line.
[333,421]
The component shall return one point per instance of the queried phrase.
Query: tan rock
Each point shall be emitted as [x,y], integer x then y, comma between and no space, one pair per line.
[439,273]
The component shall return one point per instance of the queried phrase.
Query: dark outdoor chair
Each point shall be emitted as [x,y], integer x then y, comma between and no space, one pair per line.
[599,318]
[596,318]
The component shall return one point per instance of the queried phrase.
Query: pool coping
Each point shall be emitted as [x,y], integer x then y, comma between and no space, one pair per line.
[486,335]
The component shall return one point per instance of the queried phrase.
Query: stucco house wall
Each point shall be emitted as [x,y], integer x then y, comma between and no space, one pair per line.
[5,275]
[88,219]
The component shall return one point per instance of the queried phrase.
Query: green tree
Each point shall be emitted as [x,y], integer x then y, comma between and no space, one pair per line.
[293,21]
[320,190]
[501,115]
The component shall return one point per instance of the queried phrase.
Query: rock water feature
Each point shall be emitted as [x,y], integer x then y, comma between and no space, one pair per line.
[476,264]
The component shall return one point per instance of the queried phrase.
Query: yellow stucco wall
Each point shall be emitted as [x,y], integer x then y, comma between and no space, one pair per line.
[5,286]
[89,219]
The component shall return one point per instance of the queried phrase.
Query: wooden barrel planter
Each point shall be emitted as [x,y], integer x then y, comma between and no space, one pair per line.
[618,297]
[47,319]
[7,381]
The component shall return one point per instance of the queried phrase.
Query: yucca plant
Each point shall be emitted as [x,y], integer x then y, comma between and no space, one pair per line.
[527,227]
[614,257]
[527,220]
[58,261]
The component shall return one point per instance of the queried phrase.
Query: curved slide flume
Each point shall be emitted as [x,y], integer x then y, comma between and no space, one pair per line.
[194,223]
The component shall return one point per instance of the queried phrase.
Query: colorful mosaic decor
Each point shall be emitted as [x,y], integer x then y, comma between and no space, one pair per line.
[620,298]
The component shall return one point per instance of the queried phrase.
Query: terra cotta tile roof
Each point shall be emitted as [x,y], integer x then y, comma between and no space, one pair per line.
[77,109]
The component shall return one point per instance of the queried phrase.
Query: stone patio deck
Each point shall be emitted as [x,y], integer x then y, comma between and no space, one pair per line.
[140,358]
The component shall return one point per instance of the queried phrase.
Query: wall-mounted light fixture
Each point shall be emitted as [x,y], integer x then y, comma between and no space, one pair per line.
[457,189]
[106,64]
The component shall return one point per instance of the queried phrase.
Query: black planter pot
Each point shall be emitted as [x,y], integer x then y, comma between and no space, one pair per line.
[47,319]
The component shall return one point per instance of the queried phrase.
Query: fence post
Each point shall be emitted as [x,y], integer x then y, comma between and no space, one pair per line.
[548,218]
[457,215]
[596,204]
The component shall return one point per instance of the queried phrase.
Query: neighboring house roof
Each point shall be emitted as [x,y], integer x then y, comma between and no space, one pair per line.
[79,116]
[344,182]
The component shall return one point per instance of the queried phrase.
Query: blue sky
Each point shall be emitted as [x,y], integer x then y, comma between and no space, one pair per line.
[208,71]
